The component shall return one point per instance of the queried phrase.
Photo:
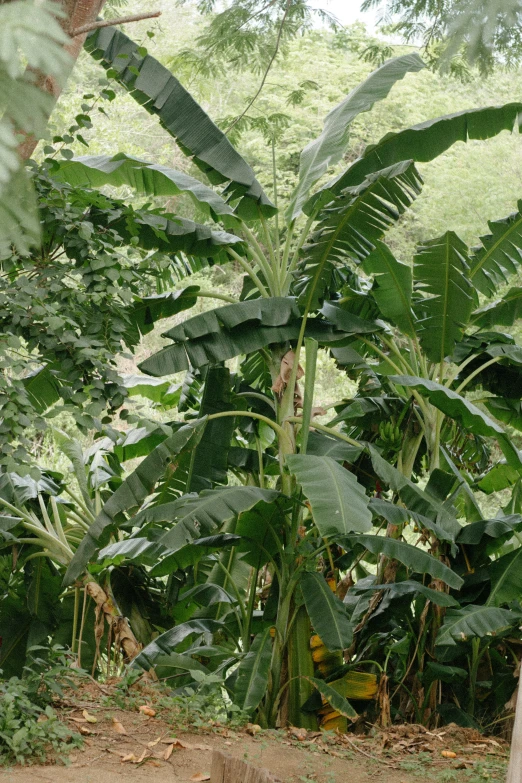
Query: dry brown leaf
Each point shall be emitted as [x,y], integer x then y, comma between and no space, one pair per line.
[448,754]
[89,718]
[153,743]
[118,727]
[146,710]
[129,757]
[168,752]
[199,776]
[85,730]
[298,734]
[142,757]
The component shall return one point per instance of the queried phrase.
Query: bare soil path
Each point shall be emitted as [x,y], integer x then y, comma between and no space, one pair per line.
[160,750]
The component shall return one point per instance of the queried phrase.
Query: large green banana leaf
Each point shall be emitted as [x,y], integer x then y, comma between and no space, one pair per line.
[339,503]
[328,615]
[410,587]
[392,287]
[329,147]
[500,476]
[160,93]
[252,674]
[500,256]
[172,234]
[506,579]
[414,558]
[495,529]
[144,312]
[210,460]
[422,143]
[352,223]
[166,643]
[414,498]
[398,515]
[152,389]
[132,492]
[461,410]
[203,515]
[474,621]
[440,269]
[501,312]
[506,410]
[333,697]
[243,328]
[149,179]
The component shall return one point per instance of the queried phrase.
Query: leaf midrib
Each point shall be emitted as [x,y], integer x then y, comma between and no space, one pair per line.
[488,253]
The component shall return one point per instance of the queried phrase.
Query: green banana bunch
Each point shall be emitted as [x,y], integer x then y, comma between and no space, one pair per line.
[390,435]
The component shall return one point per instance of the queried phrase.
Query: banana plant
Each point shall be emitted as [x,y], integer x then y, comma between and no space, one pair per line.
[323,513]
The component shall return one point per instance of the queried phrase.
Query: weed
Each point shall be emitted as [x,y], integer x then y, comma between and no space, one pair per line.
[205,703]
[29,728]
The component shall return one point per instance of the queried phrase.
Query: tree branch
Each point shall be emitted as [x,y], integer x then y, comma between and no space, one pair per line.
[267,71]
[86,28]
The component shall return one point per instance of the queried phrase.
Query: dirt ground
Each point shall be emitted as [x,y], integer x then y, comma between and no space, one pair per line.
[156,750]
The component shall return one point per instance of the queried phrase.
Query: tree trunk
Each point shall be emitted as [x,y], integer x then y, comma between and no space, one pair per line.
[77,13]
[514,774]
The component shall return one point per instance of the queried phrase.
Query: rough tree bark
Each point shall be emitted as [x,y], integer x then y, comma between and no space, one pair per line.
[78,13]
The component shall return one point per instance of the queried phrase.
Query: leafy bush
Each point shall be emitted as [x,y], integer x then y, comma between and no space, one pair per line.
[29,727]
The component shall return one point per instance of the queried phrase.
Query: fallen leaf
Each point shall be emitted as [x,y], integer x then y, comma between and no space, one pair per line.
[85,730]
[199,776]
[118,727]
[145,710]
[129,757]
[77,720]
[179,743]
[142,757]
[448,754]
[299,734]
[168,752]
[154,742]
[89,718]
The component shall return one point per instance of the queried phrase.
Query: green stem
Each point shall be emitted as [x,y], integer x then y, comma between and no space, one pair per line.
[477,371]
[239,611]
[75,618]
[88,513]
[259,257]
[311,348]
[276,427]
[300,242]
[276,201]
[250,609]
[258,396]
[393,348]
[215,295]
[451,377]
[329,430]
[260,460]
[250,272]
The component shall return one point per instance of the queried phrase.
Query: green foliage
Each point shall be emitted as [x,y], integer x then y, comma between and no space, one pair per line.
[162,94]
[328,149]
[31,40]
[379,504]
[29,727]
